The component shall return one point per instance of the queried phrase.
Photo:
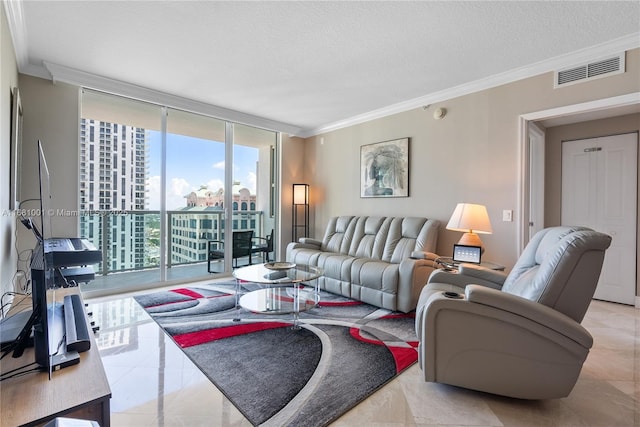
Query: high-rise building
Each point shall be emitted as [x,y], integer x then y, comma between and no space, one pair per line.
[113,172]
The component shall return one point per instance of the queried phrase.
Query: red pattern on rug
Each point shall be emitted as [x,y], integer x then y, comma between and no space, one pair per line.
[403,356]
[338,303]
[196,338]
[188,293]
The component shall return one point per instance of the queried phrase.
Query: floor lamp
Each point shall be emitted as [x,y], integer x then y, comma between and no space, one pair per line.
[300,203]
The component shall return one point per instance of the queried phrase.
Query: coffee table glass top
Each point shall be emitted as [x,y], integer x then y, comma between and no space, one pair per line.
[260,274]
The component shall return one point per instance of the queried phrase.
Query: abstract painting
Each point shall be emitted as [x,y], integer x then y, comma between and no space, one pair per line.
[384,169]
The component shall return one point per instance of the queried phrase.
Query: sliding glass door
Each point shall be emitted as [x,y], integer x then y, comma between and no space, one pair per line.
[194,192]
[254,187]
[176,196]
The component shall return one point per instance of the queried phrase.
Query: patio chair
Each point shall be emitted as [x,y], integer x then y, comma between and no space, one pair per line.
[242,247]
[265,247]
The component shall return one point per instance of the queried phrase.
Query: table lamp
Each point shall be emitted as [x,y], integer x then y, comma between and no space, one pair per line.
[470,219]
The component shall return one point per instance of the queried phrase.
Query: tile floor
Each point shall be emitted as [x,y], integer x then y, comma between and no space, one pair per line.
[154,384]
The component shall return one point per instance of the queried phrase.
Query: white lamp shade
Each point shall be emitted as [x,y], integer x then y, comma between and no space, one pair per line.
[300,194]
[470,218]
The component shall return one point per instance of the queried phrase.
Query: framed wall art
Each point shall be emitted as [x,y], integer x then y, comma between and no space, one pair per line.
[384,169]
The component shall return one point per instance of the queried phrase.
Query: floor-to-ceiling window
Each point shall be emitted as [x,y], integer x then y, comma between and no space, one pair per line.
[158,184]
[115,157]
[254,169]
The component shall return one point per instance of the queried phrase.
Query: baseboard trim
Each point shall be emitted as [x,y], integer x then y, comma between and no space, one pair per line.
[637,302]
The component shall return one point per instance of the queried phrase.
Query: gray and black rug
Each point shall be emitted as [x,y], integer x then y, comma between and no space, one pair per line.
[279,376]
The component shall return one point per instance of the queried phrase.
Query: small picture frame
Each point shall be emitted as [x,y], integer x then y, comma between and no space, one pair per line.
[384,169]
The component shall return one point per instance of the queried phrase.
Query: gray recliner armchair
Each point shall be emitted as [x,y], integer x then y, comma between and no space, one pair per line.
[516,335]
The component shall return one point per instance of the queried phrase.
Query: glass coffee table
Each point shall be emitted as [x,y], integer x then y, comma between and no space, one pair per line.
[282,290]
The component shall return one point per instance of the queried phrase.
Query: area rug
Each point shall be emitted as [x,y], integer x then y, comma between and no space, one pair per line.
[275,375]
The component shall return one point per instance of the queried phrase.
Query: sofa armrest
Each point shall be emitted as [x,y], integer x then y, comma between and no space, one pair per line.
[531,310]
[311,242]
[304,243]
[461,280]
[424,255]
[413,274]
[486,274]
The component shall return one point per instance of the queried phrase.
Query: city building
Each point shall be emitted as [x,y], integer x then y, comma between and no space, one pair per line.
[113,171]
[203,221]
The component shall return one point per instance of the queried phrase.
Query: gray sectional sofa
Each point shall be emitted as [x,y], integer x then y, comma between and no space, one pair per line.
[383,261]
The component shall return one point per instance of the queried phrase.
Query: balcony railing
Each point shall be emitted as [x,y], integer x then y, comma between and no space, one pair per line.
[131,240]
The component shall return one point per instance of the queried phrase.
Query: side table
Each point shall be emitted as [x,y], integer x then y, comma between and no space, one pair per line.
[449,265]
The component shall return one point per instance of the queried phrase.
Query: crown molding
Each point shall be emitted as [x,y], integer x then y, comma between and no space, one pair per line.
[60,73]
[621,44]
[18,30]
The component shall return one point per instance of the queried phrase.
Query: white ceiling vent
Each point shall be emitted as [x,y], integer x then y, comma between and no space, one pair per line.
[593,70]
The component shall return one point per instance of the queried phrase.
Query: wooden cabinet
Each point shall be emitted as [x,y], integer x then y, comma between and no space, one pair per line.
[79,391]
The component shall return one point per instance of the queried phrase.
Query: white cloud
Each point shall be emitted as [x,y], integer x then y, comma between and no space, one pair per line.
[219,165]
[215,184]
[177,189]
[153,185]
[251,182]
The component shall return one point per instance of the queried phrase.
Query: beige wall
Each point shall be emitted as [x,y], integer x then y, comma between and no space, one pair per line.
[471,155]
[51,114]
[8,80]
[292,171]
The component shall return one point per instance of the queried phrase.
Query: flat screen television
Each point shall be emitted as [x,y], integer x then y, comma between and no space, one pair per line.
[42,284]
[48,316]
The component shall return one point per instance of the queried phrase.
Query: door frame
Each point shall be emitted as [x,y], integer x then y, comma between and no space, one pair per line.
[535,177]
[524,168]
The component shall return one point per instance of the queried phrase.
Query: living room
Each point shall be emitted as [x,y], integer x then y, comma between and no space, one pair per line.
[474,153]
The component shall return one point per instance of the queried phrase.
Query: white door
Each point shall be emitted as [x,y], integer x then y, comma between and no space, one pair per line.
[599,190]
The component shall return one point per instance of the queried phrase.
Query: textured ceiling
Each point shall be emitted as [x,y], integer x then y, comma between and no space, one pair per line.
[311,64]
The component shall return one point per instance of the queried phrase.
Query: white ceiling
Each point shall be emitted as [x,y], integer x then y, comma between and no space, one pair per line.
[312,65]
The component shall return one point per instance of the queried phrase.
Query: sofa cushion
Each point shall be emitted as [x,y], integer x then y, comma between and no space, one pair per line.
[338,235]
[375,282]
[529,277]
[563,269]
[401,239]
[369,237]
[337,272]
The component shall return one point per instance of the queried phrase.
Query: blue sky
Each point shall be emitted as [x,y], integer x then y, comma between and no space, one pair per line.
[192,162]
